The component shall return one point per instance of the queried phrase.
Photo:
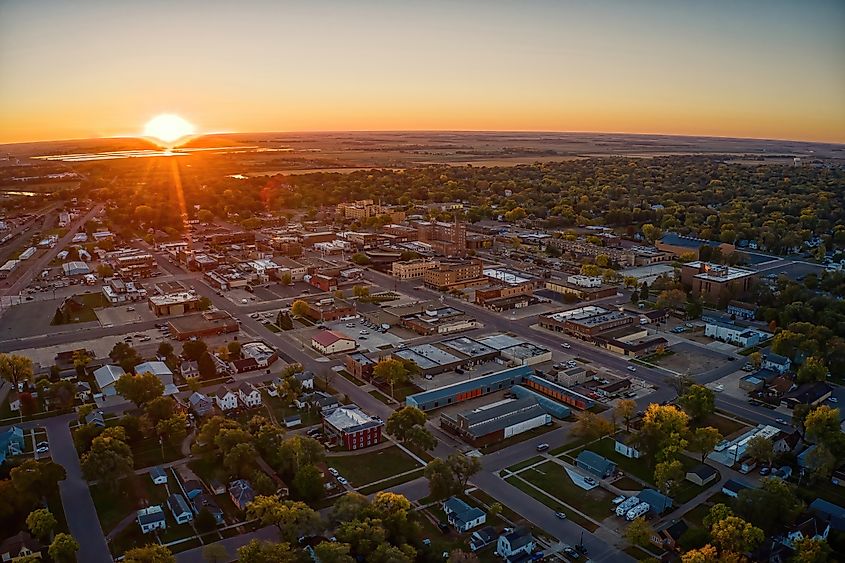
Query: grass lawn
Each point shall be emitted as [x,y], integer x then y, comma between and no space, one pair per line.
[392,482]
[94,300]
[526,463]
[724,425]
[272,328]
[524,436]
[349,377]
[281,410]
[402,391]
[637,467]
[627,484]
[130,494]
[571,445]
[149,452]
[364,468]
[553,479]
[551,503]
[381,396]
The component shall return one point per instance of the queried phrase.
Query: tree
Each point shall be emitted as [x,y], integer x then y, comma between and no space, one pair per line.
[391,371]
[717,513]
[152,553]
[659,423]
[363,535]
[159,409]
[463,467]
[799,416]
[125,355]
[441,481]
[591,426]
[668,474]
[299,451]
[81,358]
[698,402]
[811,550]
[756,359]
[360,259]
[108,461]
[62,394]
[37,480]
[104,270]
[770,506]
[761,449]
[257,551]
[308,484]
[706,554]
[821,423]
[194,349]
[299,308]
[286,279]
[140,389]
[625,409]
[651,233]
[350,507]
[703,440]
[639,532]
[41,523]
[419,437]
[165,350]
[234,349]
[361,291]
[671,299]
[284,321]
[204,303]
[174,429]
[813,369]
[408,426]
[386,553]
[205,521]
[63,549]
[206,367]
[735,534]
[240,458]
[333,552]
[15,368]
[292,518]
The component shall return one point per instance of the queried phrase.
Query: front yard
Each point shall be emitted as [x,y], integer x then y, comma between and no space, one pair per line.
[132,493]
[364,468]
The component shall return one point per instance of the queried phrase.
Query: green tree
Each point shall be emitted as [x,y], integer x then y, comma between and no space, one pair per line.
[108,461]
[813,369]
[736,535]
[441,480]
[204,303]
[194,349]
[639,532]
[292,518]
[703,440]
[63,548]
[625,409]
[140,389]
[403,420]
[360,259]
[206,367]
[174,429]
[205,521]
[299,308]
[361,291]
[240,459]
[257,551]
[159,409]
[659,424]
[390,371]
[350,506]
[717,513]
[234,349]
[463,467]
[41,523]
[668,475]
[286,279]
[591,426]
[15,368]
[772,505]
[671,299]
[152,553]
[822,423]
[386,553]
[333,552]
[308,484]
[761,449]
[698,402]
[165,350]
[812,550]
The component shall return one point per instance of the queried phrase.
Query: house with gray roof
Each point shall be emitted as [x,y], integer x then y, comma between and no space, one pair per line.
[595,464]
[515,544]
[179,508]
[461,515]
[151,519]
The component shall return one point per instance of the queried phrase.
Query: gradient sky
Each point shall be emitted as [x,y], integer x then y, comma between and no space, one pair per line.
[761,68]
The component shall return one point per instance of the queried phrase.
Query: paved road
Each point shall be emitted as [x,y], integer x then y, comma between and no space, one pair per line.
[268,533]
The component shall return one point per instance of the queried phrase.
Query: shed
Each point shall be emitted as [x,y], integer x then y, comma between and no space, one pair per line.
[701,474]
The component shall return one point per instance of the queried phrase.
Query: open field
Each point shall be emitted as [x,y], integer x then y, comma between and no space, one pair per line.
[362,468]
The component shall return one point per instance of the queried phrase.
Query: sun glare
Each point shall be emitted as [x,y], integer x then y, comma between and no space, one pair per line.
[168,129]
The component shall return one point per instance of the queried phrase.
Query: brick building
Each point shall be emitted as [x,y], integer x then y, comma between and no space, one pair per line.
[455,274]
[352,428]
[716,283]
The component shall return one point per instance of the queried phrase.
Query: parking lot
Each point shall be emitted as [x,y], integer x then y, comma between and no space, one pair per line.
[366,334]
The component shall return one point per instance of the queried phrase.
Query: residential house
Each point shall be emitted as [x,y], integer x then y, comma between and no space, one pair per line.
[482,538]
[732,488]
[179,509]
[162,372]
[776,362]
[813,394]
[96,418]
[595,464]
[306,379]
[666,535]
[193,488]
[461,515]
[319,400]
[623,444]
[701,475]
[829,513]
[12,442]
[658,503]
[225,398]
[515,544]
[189,368]
[14,399]
[241,493]
[158,475]
[249,395]
[20,546]
[151,519]
[786,442]
[206,502]
[106,377]
[200,404]
[293,421]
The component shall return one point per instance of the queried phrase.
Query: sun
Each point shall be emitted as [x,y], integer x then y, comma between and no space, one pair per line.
[168,129]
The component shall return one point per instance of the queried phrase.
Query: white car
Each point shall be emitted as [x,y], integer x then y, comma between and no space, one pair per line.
[333,471]
[342,480]
[42,447]
[632,368]
[244,301]
[566,345]
[833,400]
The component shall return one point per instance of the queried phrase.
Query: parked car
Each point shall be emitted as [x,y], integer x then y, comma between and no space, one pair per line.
[566,345]
[333,471]
[571,553]
[342,480]
[542,447]
[631,368]
[560,515]
[620,499]
[589,480]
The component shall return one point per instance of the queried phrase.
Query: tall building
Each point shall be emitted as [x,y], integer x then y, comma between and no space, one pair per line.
[449,239]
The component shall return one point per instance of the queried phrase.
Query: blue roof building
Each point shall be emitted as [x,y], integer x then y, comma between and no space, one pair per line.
[658,502]
[11,442]
[464,390]
[595,464]
[551,406]
[830,513]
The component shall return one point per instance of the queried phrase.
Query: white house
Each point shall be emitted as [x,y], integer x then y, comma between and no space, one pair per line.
[179,508]
[622,445]
[515,543]
[463,516]
[106,377]
[225,399]
[306,378]
[776,362]
[249,395]
[158,475]
[151,518]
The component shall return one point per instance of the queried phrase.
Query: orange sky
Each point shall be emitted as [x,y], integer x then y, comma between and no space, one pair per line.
[95,68]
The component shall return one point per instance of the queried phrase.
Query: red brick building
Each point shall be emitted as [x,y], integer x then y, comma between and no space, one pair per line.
[352,428]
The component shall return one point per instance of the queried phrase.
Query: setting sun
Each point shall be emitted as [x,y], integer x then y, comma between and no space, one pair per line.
[168,128]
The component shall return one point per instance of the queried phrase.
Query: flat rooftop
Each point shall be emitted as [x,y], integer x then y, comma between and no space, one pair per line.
[468,347]
[718,272]
[509,277]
